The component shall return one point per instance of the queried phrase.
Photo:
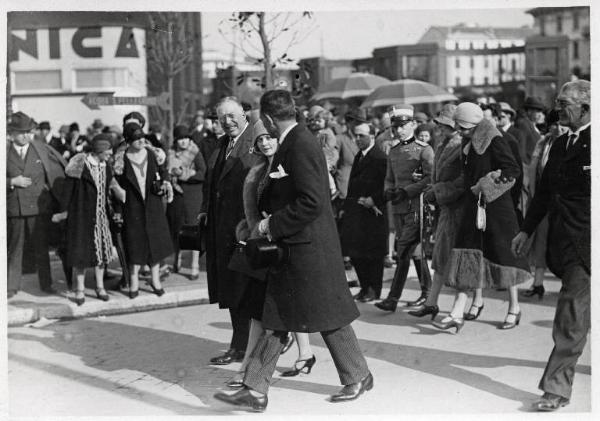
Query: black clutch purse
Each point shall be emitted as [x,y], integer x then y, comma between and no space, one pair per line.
[262,253]
[191,237]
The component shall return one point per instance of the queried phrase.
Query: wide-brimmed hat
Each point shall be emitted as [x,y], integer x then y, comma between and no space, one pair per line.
[468,115]
[446,115]
[533,103]
[20,122]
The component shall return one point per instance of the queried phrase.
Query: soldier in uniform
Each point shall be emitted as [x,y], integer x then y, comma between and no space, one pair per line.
[405,158]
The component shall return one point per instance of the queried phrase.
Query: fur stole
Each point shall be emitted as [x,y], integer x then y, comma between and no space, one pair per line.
[119,162]
[482,137]
[446,154]
[76,165]
[248,228]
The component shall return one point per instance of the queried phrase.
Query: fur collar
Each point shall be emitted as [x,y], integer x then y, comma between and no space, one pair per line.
[482,137]
[248,227]
[76,165]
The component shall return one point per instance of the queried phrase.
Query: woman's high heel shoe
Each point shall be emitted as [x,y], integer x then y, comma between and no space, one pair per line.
[157,291]
[535,290]
[79,300]
[471,315]
[449,323]
[305,368]
[426,310]
[101,294]
[510,325]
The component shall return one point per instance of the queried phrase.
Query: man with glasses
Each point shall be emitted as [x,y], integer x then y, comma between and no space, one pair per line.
[405,158]
[564,195]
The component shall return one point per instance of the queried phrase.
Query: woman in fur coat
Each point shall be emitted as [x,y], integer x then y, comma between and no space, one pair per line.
[89,181]
[187,169]
[253,301]
[446,191]
[481,257]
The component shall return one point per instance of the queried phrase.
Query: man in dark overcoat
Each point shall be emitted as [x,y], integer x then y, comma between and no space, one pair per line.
[308,292]
[34,182]
[363,227]
[564,194]
[222,210]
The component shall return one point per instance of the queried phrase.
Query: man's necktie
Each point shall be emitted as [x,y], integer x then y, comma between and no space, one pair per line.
[571,140]
[22,153]
[229,148]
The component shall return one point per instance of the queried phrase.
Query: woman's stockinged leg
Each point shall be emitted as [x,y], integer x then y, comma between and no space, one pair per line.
[460,302]
[304,349]
[99,274]
[155,271]
[135,277]
[513,299]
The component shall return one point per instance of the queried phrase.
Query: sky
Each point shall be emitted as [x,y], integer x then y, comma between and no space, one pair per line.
[354,34]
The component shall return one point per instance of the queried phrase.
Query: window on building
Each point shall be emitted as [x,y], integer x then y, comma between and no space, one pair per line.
[486,63]
[513,65]
[542,22]
[457,62]
[559,24]
[100,78]
[485,46]
[470,46]
[575,20]
[575,50]
[39,80]
[457,46]
[457,81]
[486,80]
[471,63]
[472,81]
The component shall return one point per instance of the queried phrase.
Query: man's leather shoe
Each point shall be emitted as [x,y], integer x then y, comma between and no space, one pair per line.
[49,290]
[369,296]
[231,356]
[550,402]
[354,390]
[360,295]
[387,305]
[418,302]
[244,399]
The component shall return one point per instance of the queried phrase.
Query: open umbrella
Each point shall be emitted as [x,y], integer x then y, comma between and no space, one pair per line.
[406,91]
[354,85]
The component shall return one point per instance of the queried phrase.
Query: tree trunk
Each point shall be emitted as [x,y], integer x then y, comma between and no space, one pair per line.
[266,50]
[171,116]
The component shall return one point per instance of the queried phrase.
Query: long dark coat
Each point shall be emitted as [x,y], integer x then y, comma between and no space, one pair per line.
[79,201]
[363,233]
[482,259]
[564,193]
[310,292]
[448,187]
[223,202]
[146,236]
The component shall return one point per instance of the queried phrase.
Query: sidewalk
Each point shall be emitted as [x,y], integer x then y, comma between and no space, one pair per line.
[31,305]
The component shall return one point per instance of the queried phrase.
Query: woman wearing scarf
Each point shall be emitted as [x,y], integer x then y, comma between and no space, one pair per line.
[89,180]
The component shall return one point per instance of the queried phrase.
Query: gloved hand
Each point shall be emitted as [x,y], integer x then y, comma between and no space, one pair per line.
[401,195]
[429,196]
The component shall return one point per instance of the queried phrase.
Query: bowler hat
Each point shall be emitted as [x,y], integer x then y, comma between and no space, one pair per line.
[533,103]
[356,116]
[44,125]
[20,122]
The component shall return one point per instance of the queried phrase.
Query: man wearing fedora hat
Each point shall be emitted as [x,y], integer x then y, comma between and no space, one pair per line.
[34,178]
[533,111]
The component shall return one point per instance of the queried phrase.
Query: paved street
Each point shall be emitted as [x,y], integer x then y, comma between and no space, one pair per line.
[155,363]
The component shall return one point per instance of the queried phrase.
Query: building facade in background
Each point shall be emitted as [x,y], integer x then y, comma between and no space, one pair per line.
[55,59]
[559,51]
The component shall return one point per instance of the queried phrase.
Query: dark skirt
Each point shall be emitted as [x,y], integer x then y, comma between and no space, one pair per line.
[253,301]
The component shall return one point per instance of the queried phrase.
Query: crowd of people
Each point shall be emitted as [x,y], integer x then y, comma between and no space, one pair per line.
[471,189]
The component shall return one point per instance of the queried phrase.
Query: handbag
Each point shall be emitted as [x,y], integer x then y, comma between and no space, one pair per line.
[480,219]
[491,187]
[191,237]
[239,263]
[262,253]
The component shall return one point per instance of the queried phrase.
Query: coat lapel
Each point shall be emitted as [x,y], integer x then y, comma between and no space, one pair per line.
[130,175]
[16,159]
[582,144]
